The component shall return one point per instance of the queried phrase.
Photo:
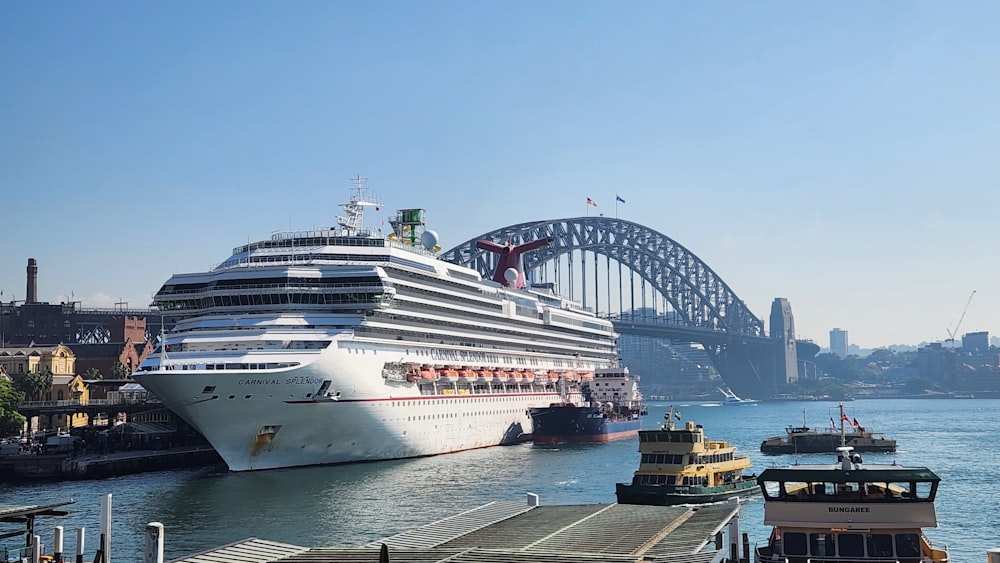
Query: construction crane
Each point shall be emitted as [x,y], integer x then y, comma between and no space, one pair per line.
[952,335]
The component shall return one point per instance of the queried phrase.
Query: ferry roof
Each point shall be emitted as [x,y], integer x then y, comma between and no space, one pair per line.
[834,473]
[515,533]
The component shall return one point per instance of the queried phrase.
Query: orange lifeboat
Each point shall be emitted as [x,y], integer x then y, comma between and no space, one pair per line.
[569,376]
[587,376]
[517,376]
[553,376]
[529,377]
[466,374]
[427,373]
[501,375]
[448,374]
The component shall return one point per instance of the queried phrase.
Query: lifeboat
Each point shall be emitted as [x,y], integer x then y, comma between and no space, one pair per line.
[569,376]
[448,374]
[428,374]
[466,374]
[587,376]
[553,376]
[501,375]
[484,375]
[516,376]
[529,377]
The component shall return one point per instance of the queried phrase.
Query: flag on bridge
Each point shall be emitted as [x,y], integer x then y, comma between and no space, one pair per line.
[591,202]
[619,198]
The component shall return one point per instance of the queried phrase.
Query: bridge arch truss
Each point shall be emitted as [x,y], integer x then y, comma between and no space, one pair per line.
[692,293]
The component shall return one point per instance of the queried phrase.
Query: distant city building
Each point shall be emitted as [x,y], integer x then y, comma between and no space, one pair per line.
[838,342]
[976,342]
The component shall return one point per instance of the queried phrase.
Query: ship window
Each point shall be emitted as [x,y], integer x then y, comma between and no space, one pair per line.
[924,490]
[794,543]
[907,545]
[208,389]
[822,545]
[851,545]
[879,545]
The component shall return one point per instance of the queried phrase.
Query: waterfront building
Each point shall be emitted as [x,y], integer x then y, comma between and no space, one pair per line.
[838,342]
[976,342]
[58,359]
[67,388]
[111,360]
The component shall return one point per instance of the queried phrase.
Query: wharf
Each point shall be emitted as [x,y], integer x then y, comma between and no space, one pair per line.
[510,532]
[29,467]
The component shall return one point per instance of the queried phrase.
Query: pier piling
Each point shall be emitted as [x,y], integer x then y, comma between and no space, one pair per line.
[154,542]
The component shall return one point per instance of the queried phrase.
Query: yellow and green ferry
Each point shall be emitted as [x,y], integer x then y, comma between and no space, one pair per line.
[679,465]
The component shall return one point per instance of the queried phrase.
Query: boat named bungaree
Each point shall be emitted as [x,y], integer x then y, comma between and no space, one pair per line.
[849,512]
[682,466]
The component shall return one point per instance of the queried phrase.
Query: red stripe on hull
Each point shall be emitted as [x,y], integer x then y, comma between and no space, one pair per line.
[584,438]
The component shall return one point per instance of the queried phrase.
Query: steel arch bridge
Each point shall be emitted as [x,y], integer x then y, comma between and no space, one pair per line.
[698,306]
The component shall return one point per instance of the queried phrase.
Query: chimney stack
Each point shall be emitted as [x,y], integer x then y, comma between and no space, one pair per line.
[31,296]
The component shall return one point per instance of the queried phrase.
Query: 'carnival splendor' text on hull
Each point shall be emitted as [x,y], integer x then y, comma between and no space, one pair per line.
[342,345]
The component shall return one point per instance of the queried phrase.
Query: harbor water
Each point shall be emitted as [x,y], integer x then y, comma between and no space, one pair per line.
[353,504]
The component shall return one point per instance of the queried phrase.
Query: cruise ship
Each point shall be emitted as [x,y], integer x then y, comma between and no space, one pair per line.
[342,345]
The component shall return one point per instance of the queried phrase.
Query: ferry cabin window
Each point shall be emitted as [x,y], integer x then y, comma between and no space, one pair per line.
[822,545]
[794,543]
[879,545]
[907,545]
[924,489]
[851,545]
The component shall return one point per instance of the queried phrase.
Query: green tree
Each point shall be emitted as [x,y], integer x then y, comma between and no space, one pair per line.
[11,421]
[120,371]
[93,373]
[845,369]
[35,384]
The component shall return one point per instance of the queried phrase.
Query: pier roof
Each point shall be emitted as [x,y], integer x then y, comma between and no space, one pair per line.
[26,513]
[514,532]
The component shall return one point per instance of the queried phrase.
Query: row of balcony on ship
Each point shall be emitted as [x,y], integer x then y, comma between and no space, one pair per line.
[428,372]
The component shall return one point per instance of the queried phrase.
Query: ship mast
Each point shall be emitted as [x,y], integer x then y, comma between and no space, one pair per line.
[843,438]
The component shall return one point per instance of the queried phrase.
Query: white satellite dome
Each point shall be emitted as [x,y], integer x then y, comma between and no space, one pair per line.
[429,239]
[510,274]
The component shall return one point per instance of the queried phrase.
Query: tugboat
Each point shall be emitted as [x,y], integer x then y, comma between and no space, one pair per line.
[681,466]
[849,512]
[804,440]
[613,409]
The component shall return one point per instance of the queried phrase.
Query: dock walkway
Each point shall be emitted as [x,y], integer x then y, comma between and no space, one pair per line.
[30,467]
[512,532]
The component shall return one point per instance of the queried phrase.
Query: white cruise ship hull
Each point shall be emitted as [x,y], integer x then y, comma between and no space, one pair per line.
[272,418]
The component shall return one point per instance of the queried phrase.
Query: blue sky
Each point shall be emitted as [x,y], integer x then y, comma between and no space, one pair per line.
[840,154]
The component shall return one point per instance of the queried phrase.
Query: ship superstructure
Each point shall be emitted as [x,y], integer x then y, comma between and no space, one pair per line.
[339,345]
